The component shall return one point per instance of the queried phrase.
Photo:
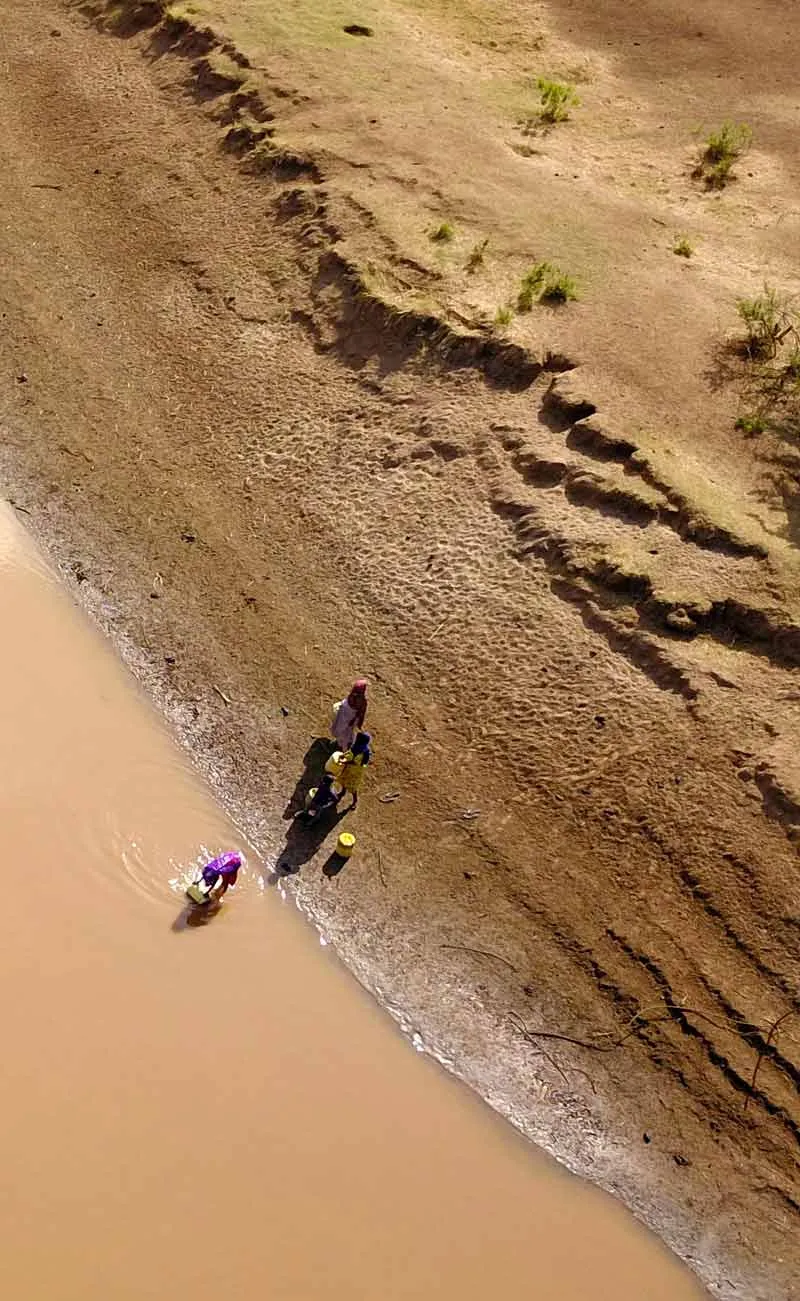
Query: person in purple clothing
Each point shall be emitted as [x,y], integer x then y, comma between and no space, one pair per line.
[219,875]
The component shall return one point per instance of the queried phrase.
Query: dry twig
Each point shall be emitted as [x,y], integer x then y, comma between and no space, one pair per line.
[772,1031]
[483,953]
[381,873]
[607,1041]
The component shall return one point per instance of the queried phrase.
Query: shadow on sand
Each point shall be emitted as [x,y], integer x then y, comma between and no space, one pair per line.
[333,864]
[314,760]
[303,841]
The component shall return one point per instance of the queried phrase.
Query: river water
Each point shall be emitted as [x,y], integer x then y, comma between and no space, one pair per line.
[199,1113]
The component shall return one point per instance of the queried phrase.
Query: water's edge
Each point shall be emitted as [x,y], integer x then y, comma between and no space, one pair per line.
[576,1137]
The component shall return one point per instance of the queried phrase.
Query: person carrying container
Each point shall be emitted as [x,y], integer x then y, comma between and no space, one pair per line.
[349,715]
[355,761]
[321,798]
[216,879]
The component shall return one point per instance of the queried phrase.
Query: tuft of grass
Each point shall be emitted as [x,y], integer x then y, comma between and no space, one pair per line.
[504,315]
[768,319]
[444,233]
[682,247]
[751,425]
[545,283]
[721,150]
[559,288]
[791,369]
[477,255]
[556,98]
[769,373]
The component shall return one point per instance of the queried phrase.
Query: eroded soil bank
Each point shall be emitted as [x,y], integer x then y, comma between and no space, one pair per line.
[261,487]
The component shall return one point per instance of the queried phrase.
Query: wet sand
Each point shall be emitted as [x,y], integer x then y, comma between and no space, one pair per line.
[221,1110]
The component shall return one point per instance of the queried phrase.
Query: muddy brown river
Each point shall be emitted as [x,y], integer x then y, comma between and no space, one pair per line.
[221,1111]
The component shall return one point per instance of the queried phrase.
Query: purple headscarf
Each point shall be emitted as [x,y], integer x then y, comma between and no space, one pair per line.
[226,866]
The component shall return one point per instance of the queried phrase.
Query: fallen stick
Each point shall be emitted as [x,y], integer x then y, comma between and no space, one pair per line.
[483,953]
[221,693]
[380,870]
[773,1028]
[641,1021]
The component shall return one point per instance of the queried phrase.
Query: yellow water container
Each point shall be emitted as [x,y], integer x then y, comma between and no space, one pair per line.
[345,844]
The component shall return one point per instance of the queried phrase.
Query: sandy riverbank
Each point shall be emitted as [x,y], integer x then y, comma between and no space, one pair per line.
[261,482]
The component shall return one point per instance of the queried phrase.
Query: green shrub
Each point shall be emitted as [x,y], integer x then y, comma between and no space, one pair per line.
[682,247]
[504,315]
[751,425]
[556,98]
[768,319]
[768,376]
[559,288]
[545,283]
[443,234]
[476,255]
[721,151]
[531,286]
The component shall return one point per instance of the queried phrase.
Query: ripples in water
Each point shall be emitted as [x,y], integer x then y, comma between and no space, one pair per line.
[155,841]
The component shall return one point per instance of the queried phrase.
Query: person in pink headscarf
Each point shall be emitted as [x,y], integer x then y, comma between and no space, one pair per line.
[215,880]
[349,715]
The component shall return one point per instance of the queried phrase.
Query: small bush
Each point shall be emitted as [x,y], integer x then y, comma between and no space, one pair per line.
[476,255]
[791,369]
[730,142]
[443,234]
[721,151]
[559,288]
[751,425]
[768,370]
[504,316]
[544,283]
[768,319]
[531,286]
[682,247]
[556,98]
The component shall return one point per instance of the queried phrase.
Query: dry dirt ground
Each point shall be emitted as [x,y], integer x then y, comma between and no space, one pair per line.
[260,418]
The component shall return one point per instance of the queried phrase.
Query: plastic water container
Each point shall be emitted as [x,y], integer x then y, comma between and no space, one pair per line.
[345,844]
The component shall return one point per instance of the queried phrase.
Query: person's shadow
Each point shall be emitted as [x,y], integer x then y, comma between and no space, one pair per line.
[191,916]
[314,760]
[303,840]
